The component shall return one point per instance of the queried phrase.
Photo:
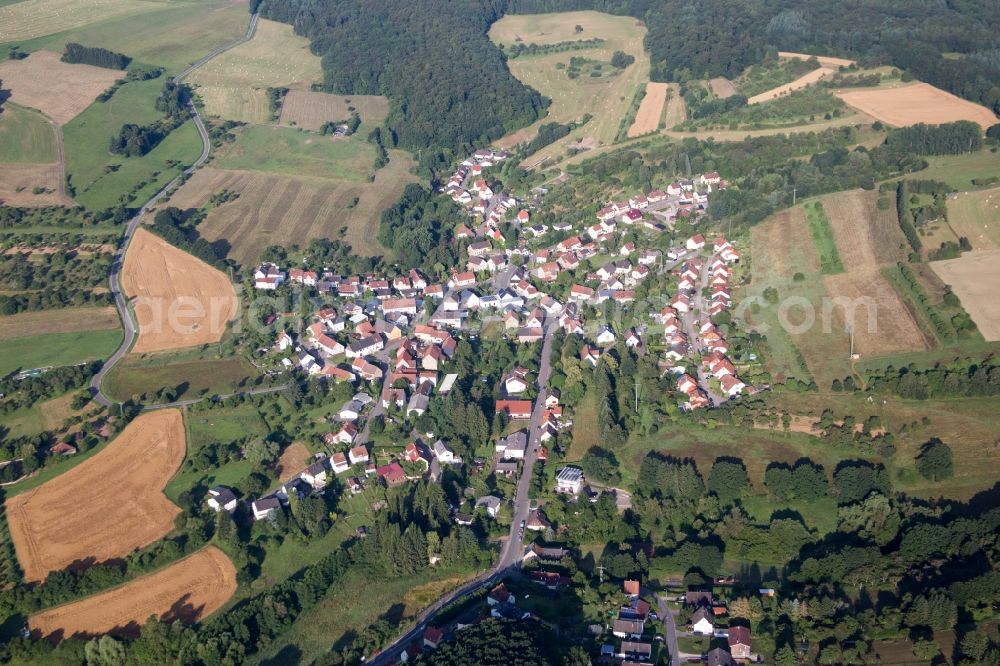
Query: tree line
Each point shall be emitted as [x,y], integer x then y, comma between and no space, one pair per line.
[93,55]
[136,140]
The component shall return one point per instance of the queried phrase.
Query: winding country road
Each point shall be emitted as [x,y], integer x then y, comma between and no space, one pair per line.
[121,301]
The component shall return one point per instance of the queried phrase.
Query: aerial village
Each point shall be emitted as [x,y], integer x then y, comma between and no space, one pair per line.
[393,338]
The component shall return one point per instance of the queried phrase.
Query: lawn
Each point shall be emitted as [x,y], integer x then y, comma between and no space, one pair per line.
[822,235]
[57,349]
[960,170]
[605,98]
[170,35]
[296,152]
[100,178]
[586,432]
[26,136]
[190,378]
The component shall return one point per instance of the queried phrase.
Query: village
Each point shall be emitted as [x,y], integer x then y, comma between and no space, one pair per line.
[393,338]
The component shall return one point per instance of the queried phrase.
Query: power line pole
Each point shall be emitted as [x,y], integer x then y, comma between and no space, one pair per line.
[794,193]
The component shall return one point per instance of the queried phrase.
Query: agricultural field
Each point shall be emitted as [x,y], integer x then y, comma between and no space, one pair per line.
[61,320]
[186,591]
[803,81]
[974,278]
[916,103]
[606,99]
[806,325]
[99,178]
[295,152]
[825,61]
[32,185]
[72,521]
[26,136]
[295,458]
[976,216]
[59,90]
[650,110]
[234,85]
[167,34]
[179,300]
[25,20]
[58,337]
[722,87]
[277,209]
[771,74]
[309,110]
[187,377]
[675,111]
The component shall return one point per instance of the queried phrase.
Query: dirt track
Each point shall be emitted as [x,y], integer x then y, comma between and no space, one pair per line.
[105,507]
[179,300]
[187,590]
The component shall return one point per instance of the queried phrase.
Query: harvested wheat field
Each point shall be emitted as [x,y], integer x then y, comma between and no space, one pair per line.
[976,215]
[803,81]
[277,209]
[917,103]
[722,87]
[18,183]
[187,590]
[309,110]
[294,459]
[867,239]
[826,61]
[974,278]
[234,85]
[105,507]
[179,300]
[59,90]
[647,119]
[21,21]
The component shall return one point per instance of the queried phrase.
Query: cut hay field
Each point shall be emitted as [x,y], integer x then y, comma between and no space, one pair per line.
[74,521]
[916,103]
[976,215]
[310,110]
[61,320]
[647,119]
[58,349]
[295,152]
[59,90]
[974,278]
[186,591]
[606,99]
[234,85]
[722,87]
[188,378]
[168,34]
[34,18]
[101,178]
[18,181]
[826,61]
[293,460]
[179,300]
[26,136]
[803,81]
[812,313]
[277,209]
[675,111]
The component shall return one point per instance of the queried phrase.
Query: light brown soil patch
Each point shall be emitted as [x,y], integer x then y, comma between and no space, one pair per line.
[882,323]
[277,209]
[647,119]
[61,320]
[187,590]
[18,180]
[310,110]
[676,109]
[105,507]
[917,103]
[826,61]
[293,460]
[58,89]
[778,251]
[723,87]
[180,301]
[974,278]
[803,81]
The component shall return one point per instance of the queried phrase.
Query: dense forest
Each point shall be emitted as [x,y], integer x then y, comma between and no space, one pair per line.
[93,55]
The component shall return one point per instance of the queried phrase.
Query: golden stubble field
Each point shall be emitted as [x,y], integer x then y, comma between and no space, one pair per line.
[234,85]
[647,119]
[105,507]
[59,90]
[974,278]
[607,100]
[804,81]
[179,300]
[310,110]
[186,591]
[916,103]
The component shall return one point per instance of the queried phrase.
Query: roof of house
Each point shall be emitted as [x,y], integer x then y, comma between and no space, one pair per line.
[739,636]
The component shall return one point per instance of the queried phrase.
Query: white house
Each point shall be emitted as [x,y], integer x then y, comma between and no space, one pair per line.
[605,336]
[491,503]
[443,454]
[265,507]
[569,480]
[220,497]
[702,622]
